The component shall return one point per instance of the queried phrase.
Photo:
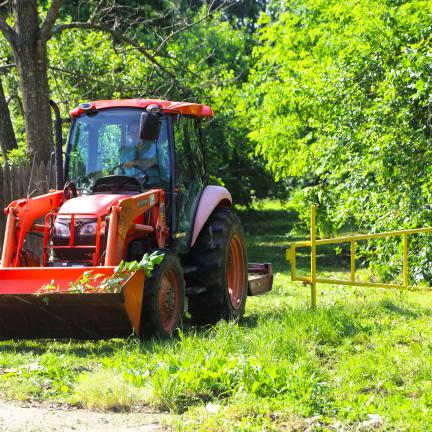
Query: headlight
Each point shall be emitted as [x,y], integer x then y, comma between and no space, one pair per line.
[88,229]
[61,229]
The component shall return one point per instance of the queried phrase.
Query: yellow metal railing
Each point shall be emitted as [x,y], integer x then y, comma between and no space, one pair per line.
[312,279]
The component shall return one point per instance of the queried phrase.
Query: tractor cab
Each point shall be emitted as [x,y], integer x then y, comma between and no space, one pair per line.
[136,139]
[119,150]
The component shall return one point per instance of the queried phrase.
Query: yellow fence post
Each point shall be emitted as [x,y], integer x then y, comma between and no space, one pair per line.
[313,257]
[353,260]
[291,257]
[405,260]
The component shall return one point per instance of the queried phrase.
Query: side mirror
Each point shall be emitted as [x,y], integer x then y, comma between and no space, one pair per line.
[149,126]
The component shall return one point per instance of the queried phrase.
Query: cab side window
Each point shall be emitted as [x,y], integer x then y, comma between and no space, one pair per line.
[191,172]
[163,153]
[189,151]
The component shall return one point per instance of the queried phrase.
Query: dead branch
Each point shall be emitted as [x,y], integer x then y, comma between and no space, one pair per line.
[8,32]
[7,67]
[116,34]
[210,11]
[90,78]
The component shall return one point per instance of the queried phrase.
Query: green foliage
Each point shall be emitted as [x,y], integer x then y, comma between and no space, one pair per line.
[207,63]
[18,156]
[339,93]
[210,61]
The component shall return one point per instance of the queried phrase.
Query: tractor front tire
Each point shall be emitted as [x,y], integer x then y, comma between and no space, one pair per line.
[220,258]
[163,301]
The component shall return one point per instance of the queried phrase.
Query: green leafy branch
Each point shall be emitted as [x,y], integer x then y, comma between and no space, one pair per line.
[91,282]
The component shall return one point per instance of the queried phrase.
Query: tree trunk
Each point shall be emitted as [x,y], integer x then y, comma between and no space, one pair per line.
[7,135]
[31,62]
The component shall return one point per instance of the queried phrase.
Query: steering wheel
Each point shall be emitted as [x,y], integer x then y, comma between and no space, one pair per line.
[117,186]
[70,190]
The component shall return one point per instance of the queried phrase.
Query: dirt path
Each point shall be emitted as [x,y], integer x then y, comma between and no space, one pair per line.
[16,418]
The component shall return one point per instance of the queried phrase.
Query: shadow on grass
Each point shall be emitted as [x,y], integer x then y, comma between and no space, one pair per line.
[392,307]
[258,220]
[269,233]
[60,346]
[79,348]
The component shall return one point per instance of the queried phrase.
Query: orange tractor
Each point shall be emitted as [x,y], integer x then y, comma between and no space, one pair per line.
[133,181]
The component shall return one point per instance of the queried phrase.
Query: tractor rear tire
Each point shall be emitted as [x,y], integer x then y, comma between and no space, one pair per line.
[220,258]
[163,301]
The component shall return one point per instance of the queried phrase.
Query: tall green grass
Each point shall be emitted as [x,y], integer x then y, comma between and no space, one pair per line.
[362,353]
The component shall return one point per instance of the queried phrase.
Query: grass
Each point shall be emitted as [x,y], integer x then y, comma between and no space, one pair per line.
[361,361]
[106,390]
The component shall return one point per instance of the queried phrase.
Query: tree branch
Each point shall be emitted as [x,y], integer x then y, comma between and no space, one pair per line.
[6,67]
[50,19]
[8,32]
[90,78]
[19,102]
[224,5]
[117,35]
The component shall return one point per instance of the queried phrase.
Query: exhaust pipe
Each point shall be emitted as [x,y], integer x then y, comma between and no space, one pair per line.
[58,145]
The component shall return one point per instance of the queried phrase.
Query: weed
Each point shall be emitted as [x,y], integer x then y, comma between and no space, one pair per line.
[19,389]
[106,390]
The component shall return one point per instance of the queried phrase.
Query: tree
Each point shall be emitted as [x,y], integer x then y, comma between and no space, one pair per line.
[27,31]
[28,40]
[340,92]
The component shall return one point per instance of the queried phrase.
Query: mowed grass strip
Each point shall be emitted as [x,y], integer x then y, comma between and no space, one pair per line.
[362,360]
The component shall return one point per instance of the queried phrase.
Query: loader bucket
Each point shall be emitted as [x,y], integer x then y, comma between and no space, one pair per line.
[25,312]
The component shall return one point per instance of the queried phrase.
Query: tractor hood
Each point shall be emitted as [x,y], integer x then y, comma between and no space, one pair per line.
[91,204]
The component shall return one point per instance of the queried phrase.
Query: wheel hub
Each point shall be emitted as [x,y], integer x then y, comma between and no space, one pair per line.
[169,300]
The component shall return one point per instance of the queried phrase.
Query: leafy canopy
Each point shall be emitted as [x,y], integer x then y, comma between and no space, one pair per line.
[339,93]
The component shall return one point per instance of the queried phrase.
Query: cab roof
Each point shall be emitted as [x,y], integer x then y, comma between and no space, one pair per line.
[186,108]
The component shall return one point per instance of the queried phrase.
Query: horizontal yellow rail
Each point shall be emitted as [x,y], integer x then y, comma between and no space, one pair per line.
[312,280]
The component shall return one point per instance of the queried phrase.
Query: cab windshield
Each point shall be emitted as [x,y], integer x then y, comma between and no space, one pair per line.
[107,142]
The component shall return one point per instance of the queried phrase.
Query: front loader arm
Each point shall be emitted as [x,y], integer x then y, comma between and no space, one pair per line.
[122,219]
[21,216]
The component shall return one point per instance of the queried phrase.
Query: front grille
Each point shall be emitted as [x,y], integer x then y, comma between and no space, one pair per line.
[62,250]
